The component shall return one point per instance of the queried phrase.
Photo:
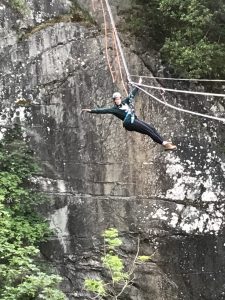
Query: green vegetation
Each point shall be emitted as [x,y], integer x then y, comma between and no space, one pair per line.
[19,5]
[118,278]
[22,229]
[190,34]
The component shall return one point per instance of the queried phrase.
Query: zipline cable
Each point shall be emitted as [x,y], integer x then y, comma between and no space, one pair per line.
[178,91]
[179,79]
[177,108]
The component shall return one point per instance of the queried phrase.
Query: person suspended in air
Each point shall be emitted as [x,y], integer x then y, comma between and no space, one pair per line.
[123,109]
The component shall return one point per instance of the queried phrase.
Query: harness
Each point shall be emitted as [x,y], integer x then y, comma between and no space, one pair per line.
[130,116]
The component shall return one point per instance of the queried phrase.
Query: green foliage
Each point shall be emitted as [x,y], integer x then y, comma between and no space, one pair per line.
[96,286]
[19,5]
[144,258]
[196,46]
[198,60]
[111,260]
[38,286]
[21,227]
[111,238]
[189,33]
[145,21]
[114,266]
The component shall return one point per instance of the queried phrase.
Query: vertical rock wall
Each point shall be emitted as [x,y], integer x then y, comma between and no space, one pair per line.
[98,175]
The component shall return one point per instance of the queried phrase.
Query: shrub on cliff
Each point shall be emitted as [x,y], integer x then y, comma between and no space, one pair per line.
[190,34]
[119,278]
[22,229]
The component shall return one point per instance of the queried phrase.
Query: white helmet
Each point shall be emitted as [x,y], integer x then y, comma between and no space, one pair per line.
[116,95]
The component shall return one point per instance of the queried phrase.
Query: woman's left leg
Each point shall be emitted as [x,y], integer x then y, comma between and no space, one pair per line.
[145,128]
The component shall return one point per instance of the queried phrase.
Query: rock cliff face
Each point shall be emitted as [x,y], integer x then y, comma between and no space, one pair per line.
[98,175]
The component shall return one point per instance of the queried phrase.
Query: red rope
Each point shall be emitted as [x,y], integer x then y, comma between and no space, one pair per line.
[118,61]
[106,43]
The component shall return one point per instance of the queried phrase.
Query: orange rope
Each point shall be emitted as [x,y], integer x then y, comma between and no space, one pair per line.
[118,61]
[106,43]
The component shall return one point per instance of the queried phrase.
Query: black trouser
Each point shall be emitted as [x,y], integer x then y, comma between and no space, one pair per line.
[144,128]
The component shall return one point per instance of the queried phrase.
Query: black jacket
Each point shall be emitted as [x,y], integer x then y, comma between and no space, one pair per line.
[118,110]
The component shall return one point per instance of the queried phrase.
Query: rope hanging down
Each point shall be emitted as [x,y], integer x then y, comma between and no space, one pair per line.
[177,108]
[115,48]
[118,41]
[106,42]
[118,61]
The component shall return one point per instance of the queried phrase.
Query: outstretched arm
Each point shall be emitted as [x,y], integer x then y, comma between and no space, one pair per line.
[99,110]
